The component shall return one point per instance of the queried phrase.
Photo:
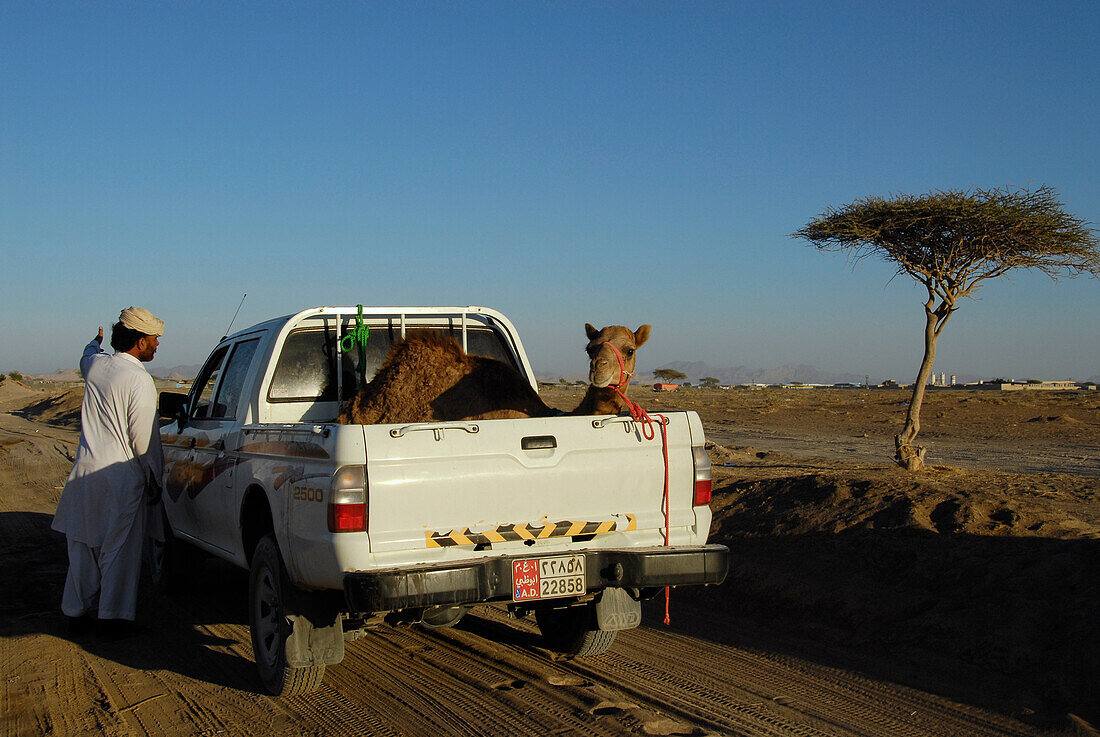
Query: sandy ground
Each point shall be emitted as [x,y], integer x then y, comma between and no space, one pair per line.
[862,600]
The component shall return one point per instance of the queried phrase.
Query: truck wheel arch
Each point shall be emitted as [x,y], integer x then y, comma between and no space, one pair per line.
[256,520]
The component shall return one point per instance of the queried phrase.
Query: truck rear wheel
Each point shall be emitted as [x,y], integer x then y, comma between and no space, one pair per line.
[268,588]
[573,631]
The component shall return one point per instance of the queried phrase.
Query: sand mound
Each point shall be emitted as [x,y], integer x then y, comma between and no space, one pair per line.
[1057,418]
[61,409]
[886,500]
[992,572]
[13,393]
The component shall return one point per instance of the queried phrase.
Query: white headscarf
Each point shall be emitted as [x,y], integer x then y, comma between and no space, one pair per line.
[141,320]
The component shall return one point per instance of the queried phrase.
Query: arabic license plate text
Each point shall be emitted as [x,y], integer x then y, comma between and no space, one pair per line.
[548,578]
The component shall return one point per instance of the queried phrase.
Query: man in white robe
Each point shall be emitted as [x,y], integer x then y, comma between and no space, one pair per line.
[103,507]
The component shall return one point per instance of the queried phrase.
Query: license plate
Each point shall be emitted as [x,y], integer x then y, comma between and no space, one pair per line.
[548,578]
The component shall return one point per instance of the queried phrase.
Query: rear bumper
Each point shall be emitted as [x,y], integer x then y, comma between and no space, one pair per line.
[490,579]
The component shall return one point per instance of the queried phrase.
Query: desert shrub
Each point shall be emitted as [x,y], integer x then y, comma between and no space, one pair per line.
[16,376]
[3,376]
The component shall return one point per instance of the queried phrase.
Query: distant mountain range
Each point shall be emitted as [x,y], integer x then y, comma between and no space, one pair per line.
[174,373]
[696,370]
[186,372]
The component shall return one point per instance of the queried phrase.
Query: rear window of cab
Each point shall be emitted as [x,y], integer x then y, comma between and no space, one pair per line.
[306,370]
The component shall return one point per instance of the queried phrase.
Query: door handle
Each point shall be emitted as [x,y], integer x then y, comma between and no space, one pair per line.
[539,442]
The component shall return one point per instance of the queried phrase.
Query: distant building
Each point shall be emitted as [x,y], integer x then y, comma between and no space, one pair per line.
[1041,386]
[940,380]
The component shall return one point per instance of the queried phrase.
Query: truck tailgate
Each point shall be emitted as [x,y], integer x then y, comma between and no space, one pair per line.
[473,485]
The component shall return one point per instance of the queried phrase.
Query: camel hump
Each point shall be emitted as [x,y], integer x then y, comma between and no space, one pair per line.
[429,337]
[425,342]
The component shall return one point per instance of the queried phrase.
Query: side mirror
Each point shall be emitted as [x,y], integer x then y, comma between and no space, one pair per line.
[171,403]
[173,406]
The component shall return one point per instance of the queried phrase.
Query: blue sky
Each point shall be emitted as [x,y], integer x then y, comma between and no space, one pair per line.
[563,162]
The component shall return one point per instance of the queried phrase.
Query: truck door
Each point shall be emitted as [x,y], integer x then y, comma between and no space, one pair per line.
[215,502]
[185,475]
[203,458]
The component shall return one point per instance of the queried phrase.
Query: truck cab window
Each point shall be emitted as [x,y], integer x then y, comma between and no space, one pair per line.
[229,391]
[488,343]
[305,371]
[378,347]
[480,341]
[203,391]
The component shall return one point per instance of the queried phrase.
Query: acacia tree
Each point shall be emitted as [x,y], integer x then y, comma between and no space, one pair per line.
[669,374]
[951,242]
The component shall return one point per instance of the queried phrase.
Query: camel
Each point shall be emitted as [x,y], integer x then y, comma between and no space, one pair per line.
[608,376]
[428,377]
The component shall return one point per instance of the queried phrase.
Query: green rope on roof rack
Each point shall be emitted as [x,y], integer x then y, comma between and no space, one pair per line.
[358,338]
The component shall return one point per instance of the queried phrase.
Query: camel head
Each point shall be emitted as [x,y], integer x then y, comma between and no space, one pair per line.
[603,368]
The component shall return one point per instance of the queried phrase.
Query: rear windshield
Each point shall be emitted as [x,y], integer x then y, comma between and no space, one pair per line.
[306,371]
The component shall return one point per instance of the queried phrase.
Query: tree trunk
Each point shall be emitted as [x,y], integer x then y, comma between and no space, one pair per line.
[908,455]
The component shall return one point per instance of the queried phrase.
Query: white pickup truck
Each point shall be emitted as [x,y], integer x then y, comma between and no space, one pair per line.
[342,527]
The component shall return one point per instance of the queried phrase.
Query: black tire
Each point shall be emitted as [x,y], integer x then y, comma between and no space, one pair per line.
[171,564]
[441,617]
[573,631]
[268,586]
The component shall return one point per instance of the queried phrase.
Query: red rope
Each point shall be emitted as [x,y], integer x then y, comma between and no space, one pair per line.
[642,417]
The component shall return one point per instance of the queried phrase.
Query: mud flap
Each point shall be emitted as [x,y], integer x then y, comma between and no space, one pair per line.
[616,610]
[316,631]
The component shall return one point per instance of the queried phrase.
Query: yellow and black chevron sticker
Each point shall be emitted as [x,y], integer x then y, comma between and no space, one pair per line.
[507,533]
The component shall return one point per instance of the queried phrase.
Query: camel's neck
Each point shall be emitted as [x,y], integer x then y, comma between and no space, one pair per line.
[600,401]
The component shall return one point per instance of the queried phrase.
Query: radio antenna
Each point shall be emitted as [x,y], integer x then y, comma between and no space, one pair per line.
[234,316]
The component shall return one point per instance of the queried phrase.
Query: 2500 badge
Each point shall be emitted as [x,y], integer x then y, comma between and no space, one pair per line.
[307,494]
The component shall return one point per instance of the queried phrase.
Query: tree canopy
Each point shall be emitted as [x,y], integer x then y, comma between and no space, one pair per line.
[669,374]
[952,240]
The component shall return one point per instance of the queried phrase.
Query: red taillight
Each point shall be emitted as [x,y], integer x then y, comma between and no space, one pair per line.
[347,502]
[347,517]
[702,477]
[702,493]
